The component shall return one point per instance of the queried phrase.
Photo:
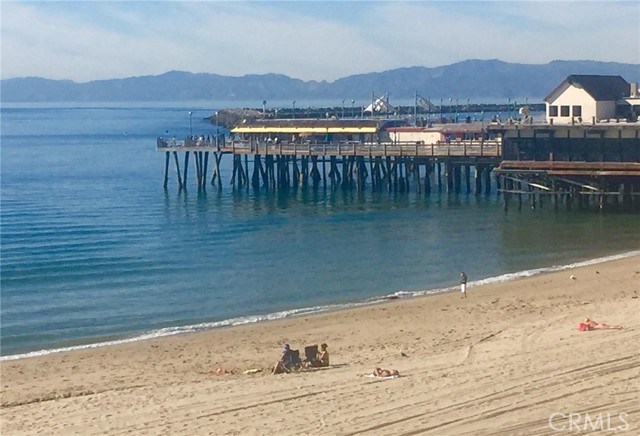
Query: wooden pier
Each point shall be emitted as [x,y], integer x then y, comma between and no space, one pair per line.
[392,166]
[586,165]
[578,165]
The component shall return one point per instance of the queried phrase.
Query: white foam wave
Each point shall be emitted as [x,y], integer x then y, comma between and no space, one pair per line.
[536,271]
[171,331]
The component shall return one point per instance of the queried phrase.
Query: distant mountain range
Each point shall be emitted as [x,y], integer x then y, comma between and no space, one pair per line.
[474,79]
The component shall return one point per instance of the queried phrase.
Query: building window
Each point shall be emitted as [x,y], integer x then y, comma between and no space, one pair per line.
[553,111]
[564,111]
[577,111]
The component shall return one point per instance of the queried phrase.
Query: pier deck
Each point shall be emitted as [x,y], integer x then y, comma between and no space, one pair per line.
[471,148]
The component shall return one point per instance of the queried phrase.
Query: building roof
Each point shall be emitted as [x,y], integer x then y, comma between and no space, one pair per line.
[309,126]
[601,88]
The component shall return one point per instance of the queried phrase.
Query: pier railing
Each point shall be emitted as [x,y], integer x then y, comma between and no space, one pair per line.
[464,148]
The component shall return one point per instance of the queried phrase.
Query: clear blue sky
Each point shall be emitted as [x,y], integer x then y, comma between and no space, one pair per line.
[308,40]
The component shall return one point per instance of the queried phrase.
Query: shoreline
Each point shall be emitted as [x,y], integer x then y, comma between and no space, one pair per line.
[309,311]
[503,361]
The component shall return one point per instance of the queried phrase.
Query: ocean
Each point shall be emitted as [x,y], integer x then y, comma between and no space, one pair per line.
[95,251]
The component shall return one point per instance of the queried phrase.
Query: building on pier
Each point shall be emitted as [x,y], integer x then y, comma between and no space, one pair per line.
[440,134]
[302,131]
[590,99]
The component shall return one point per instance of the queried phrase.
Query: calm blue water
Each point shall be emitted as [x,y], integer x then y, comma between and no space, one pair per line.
[93,248]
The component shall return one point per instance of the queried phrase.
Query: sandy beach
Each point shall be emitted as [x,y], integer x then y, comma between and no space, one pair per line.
[509,359]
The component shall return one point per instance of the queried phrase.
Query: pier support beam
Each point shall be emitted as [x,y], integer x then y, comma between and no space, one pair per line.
[478,179]
[186,166]
[487,180]
[456,169]
[215,177]
[166,169]
[428,170]
[467,182]
[175,156]
[449,176]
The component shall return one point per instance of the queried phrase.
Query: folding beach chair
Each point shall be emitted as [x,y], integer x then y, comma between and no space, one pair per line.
[310,353]
[292,361]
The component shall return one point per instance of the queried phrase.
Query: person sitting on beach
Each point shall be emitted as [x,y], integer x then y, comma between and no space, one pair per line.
[279,367]
[322,358]
[379,372]
[287,361]
[589,324]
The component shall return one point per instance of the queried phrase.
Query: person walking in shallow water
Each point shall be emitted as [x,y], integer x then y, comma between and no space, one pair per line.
[463,284]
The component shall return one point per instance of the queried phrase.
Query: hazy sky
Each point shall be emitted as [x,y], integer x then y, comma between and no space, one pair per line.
[93,40]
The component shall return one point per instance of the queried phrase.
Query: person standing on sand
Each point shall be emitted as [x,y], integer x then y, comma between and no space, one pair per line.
[463,284]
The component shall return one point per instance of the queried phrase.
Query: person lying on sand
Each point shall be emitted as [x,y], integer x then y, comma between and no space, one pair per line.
[379,372]
[589,324]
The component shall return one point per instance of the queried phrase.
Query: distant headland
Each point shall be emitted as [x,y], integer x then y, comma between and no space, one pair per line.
[476,80]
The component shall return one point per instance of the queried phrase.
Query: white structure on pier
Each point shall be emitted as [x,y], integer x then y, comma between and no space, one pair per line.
[380,105]
[591,99]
